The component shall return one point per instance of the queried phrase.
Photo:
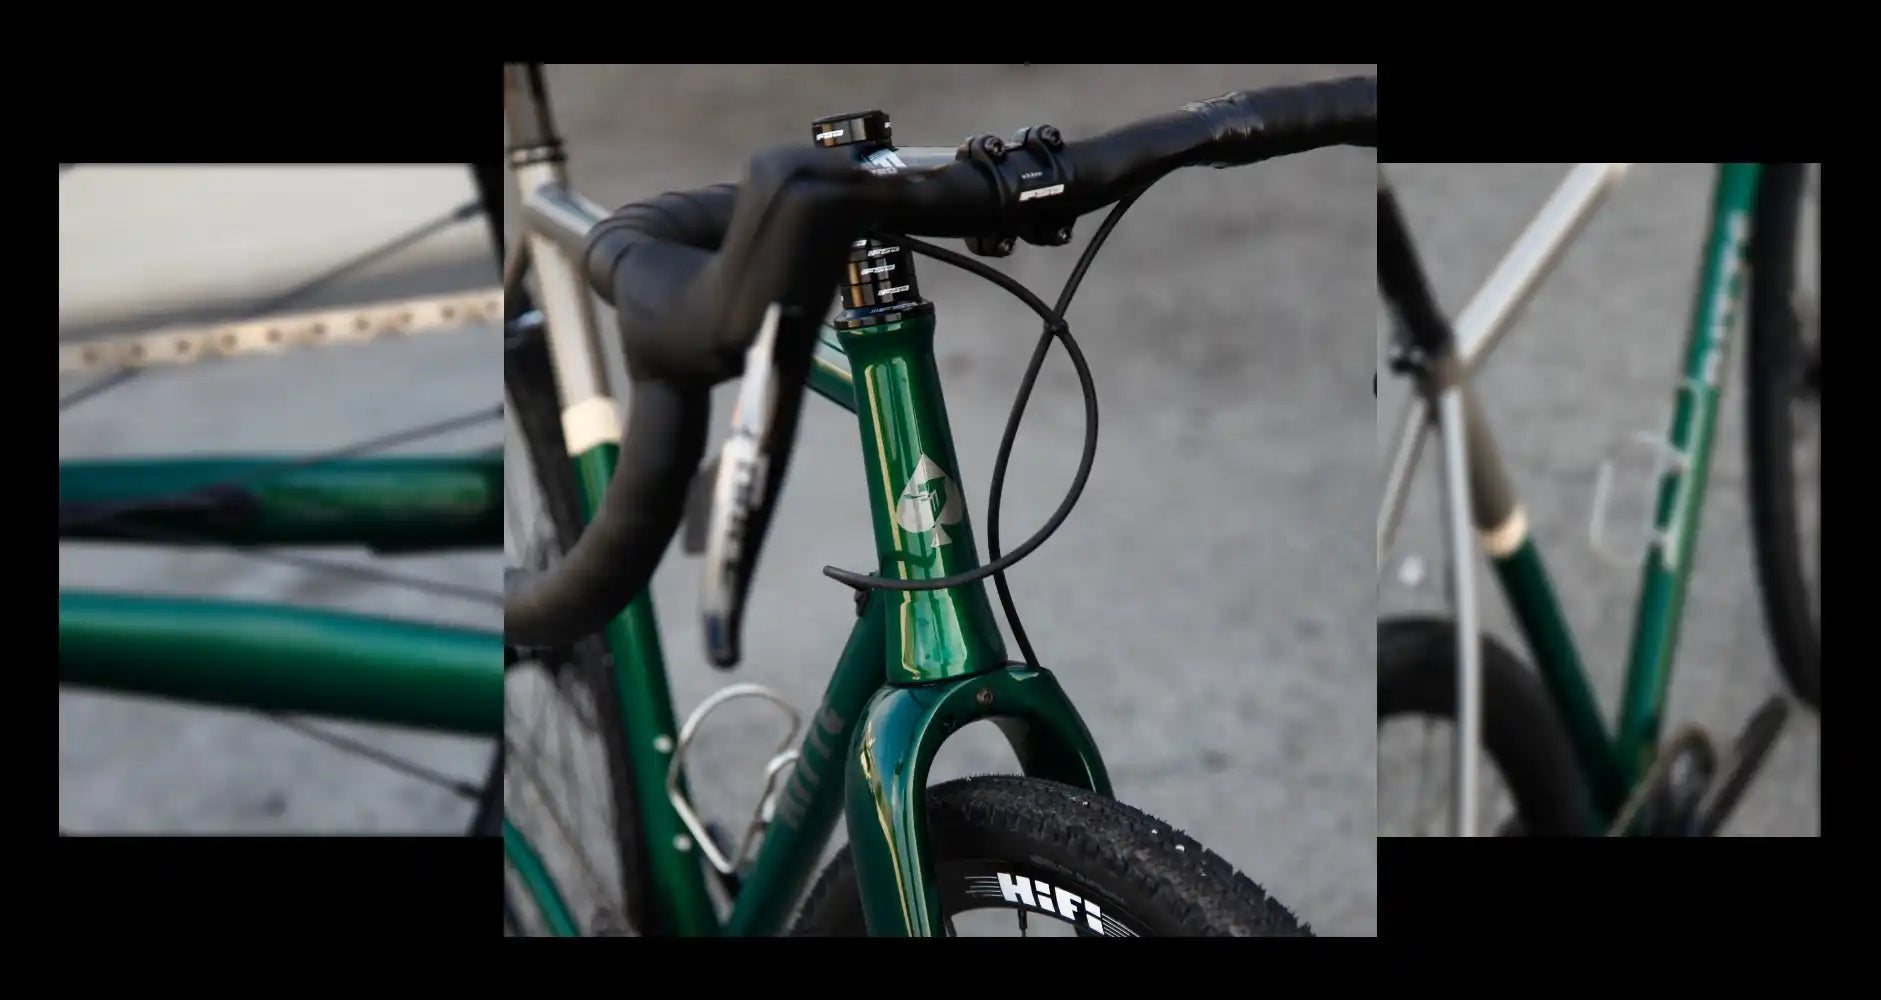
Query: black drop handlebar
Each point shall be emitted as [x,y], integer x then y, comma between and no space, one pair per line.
[690,275]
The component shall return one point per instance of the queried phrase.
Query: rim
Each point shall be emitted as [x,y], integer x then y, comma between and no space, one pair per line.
[1415,779]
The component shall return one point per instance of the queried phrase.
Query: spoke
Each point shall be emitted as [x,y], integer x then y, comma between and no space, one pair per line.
[90,389]
[1423,777]
[529,730]
[466,789]
[567,667]
[570,746]
[462,213]
[489,813]
[367,574]
[509,913]
[278,302]
[396,438]
[370,575]
[569,837]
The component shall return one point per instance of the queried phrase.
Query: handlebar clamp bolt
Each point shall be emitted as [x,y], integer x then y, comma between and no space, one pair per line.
[1047,235]
[990,246]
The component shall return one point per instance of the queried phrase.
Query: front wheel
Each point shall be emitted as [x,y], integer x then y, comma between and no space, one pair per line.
[1053,860]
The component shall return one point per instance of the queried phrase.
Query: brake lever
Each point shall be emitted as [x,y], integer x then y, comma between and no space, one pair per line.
[737,496]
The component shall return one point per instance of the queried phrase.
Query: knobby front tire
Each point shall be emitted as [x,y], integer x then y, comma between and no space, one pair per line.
[1046,853]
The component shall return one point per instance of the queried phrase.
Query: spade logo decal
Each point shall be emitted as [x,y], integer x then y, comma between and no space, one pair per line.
[929,501]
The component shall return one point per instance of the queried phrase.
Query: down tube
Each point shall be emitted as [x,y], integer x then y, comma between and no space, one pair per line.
[680,906]
[1681,492]
[811,798]
[265,657]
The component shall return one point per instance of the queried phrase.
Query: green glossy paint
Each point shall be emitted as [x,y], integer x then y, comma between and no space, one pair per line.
[901,731]
[680,904]
[916,668]
[397,504]
[1681,490]
[1613,772]
[285,659]
[1531,599]
[810,800]
[917,505]
[538,883]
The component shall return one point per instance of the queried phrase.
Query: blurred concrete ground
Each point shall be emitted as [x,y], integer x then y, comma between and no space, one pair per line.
[1595,357]
[1208,604]
[141,247]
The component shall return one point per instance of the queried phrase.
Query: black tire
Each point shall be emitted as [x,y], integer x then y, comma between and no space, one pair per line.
[530,391]
[1775,361]
[1522,735]
[1106,865]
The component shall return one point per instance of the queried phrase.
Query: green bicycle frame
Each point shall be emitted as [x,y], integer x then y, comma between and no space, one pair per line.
[1667,565]
[271,657]
[1614,764]
[387,504]
[917,667]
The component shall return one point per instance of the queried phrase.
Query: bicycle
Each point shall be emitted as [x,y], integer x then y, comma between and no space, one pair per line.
[722,281]
[288,661]
[1541,728]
